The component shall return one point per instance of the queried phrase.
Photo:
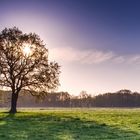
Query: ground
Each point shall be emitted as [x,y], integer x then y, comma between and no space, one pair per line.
[70,124]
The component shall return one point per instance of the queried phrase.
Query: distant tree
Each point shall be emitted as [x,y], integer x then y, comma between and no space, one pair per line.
[1,98]
[124,91]
[65,99]
[83,94]
[83,98]
[24,64]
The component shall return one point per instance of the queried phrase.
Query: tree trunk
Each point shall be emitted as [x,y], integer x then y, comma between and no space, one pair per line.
[14,98]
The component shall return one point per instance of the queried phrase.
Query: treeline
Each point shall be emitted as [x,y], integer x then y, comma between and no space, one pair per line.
[122,98]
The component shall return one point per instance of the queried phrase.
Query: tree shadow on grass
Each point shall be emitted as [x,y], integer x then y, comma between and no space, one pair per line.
[29,126]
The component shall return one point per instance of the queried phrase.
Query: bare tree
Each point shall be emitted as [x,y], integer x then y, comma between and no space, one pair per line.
[24,64]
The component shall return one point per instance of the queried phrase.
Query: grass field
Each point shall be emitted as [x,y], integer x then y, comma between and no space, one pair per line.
[71,124]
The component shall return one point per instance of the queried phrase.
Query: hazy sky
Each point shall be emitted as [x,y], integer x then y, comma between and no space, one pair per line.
[96,42]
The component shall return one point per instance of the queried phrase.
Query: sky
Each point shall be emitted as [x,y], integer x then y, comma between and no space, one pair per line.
[96,42]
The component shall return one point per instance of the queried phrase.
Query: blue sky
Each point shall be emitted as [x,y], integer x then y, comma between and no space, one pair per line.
[96,42]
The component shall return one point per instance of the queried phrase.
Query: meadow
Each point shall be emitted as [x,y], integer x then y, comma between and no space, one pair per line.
[70,124]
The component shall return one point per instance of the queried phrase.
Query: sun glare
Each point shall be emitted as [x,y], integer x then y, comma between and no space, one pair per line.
[26,50]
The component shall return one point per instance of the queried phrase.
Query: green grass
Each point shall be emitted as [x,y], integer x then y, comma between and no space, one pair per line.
[71,124]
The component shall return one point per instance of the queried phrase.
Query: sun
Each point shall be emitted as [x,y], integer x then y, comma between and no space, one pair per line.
[26,49]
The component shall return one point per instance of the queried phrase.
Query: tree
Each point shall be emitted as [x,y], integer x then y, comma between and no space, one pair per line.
[24,64]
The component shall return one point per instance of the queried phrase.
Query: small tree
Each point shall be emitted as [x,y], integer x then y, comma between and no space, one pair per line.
[24,64]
